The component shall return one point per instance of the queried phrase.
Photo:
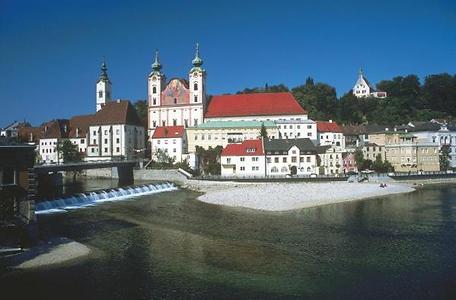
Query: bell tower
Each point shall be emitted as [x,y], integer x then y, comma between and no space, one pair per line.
[197,80]
[156,83]
[103,93]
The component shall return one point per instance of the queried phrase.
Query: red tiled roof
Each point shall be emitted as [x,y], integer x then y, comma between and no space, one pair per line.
[82,124]
[168,132]
[241,149]
[117,112]
[258,104]
[56,129]
[323,126]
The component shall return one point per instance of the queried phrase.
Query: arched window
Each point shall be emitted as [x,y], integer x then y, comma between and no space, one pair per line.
[175,100]
[274,170]
[195,86]
[154,90]
[308,169]
[284,169]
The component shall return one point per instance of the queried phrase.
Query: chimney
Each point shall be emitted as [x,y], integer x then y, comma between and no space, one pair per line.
[77,132]
[45,128]
[65,128]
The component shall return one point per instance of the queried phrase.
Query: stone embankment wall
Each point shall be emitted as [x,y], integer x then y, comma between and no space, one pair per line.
[159,175]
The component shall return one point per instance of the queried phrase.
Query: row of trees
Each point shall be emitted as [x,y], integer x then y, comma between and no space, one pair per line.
[407,100]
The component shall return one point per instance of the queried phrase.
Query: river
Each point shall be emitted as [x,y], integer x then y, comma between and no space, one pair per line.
[171,246]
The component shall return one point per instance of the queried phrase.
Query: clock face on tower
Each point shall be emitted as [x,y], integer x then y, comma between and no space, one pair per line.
[195,74]
[154,78]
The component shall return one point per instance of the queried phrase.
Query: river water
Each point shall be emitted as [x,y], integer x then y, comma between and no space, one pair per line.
[171,246]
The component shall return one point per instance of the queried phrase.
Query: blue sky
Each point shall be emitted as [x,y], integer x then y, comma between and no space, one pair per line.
[50,51]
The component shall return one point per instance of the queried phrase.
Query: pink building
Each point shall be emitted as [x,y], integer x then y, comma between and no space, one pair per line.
[349,163]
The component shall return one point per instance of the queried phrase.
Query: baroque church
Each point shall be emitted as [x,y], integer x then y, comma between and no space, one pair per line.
[180,102]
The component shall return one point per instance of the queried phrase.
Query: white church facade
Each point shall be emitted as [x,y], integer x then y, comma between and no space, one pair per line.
[364,89]
[179,102]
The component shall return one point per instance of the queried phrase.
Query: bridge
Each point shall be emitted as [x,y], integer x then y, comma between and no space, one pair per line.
[124,169]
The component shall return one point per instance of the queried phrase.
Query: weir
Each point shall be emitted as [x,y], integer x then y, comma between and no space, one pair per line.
[87,199]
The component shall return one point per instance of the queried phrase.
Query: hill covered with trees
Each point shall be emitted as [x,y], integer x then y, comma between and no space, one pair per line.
[408,99]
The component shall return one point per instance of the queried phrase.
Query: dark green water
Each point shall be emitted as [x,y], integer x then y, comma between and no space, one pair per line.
[170,246]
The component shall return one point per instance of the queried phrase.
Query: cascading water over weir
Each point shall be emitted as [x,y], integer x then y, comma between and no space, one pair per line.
[93,198]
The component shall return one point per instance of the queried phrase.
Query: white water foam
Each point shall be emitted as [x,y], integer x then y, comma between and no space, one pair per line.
[88,199]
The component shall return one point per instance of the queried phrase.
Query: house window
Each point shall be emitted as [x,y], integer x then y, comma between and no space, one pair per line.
[154,101]
[185,123]
[174,150]
[228,160]
[195,122]
[93,150]
[117,149]
[242,159]
[94,132]
[293,159]
[117,140]
[105,150]
[82,141]
[163,123]
[308,159]
[117,131]
[284,160]
[94,142]
[274,170]
[174,122]
[106,132]
[242,168]
[268,160]
[175,100]
[154,124]
[276,160]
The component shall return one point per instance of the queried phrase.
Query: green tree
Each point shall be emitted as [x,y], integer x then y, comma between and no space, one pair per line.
[68,150]
[381,166]
[141,109]
[359,157]
[162,157]
[320,99]
[209,160]
[444,158]
[263,132]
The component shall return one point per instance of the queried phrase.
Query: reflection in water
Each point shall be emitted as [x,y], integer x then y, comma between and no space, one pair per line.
[172,246]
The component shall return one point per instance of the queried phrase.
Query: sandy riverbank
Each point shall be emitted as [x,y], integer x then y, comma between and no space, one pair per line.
[288,196]
[55,251]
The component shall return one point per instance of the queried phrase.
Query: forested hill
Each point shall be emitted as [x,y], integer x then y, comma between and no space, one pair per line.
[408,99]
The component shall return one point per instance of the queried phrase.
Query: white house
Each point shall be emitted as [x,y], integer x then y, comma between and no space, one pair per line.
[364,89]
[331,160]
[115,132]
[244,159]
[53,132]
[330,134]
[292,156]
[172,140]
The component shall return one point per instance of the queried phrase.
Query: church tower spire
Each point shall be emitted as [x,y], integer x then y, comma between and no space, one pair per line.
[197,61]
[156,66]
[197,83]
[103,93]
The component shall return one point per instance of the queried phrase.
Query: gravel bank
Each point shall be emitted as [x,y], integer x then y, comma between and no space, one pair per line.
[288,196]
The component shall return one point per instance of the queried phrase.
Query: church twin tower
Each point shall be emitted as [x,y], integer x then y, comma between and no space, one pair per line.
[180,102]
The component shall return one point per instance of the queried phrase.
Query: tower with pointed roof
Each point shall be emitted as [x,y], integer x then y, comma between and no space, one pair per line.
[197,80]
[103,92]
[363,88]
[156,83]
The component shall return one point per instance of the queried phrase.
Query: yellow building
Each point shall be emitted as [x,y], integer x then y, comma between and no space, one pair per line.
[221,133]
[407,154]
